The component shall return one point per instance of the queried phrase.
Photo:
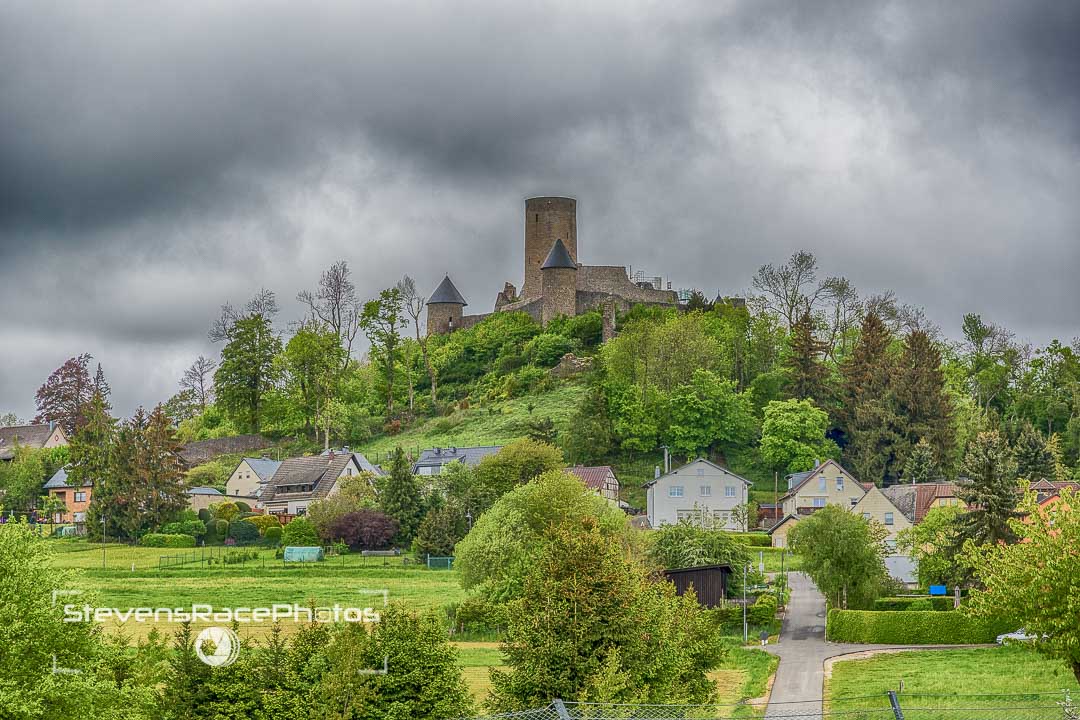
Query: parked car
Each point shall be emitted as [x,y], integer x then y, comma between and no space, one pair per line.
[1016,636]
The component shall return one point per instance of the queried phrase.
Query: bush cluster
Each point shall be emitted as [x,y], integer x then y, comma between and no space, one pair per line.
[243,532]
[194,528]
[907,627]
[167,540]
[904,603]
[763,611]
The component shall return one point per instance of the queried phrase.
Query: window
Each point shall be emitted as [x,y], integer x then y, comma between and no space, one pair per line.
[706,491]
[854,502]
[840,483]
[821,483]
[819,502]
[425,470]
[348,471]
[701,472]
[301,510]
[866,516]
[729,491]
[61,496]
[675,491]
[888,518]
[80,497]
[891,544]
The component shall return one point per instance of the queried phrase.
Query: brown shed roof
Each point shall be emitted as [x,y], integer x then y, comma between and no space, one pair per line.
[593,477]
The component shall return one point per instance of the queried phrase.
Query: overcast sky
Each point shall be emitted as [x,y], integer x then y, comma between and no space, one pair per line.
[159,159]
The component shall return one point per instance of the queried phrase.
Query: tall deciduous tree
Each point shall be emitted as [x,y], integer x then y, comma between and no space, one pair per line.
[868,412]
[382,321]
[313,361]
[576,631]
[707,412]
[793,436]
[843,554]
[198,380]
[65,394]
[247,371]
[807,376]
[400,498]
[1036,582]
[921,398]
[414,306]
[336,305]
[991,492]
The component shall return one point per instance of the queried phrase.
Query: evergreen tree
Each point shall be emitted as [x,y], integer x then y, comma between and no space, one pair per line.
[868,412]
[921,400]
[991,492]
[247,371]
[807,375]
[400,498]
[159,474]
[1034,460]
[116,502]
[440,531]
[90,454]
[921,466]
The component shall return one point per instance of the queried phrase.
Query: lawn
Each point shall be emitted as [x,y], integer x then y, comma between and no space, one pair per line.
[265,581]
[490,424]
[953,679]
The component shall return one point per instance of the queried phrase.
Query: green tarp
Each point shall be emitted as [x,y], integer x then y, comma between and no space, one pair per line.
[303,554]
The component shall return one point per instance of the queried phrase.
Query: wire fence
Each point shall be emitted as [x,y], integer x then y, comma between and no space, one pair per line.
[889,706]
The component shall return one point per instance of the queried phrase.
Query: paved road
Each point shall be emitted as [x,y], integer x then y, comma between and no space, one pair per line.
[797,689]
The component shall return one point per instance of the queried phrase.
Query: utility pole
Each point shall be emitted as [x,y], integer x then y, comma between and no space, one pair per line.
[775,490]
[745,630]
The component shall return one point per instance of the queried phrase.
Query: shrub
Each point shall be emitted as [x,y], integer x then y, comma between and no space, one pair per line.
[272,536]
[763,611]
[476,615]
[167,540]
[300,533]
[195,528]
[724,615]
[243,506]
[911,627]
[206,516]
[904,603]
[363,529]
[265,522]
[221,529]
[243,532]
[920,605]
[545,350]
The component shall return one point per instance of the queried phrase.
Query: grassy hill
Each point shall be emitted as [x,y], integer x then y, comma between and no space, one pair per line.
[489,424]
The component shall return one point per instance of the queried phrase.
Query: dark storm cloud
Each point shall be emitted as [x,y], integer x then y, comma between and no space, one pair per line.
[158,160]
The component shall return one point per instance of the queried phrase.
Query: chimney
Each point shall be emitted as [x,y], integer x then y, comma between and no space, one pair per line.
[817,463]
[52,425]
[656,473]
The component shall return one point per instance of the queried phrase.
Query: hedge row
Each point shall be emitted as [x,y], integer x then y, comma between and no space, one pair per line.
[911,627]
[753,539]
[167,540]
[904,603]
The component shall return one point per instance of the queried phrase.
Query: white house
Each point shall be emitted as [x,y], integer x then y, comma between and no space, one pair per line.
[700,491]
[250,477]
[300,481]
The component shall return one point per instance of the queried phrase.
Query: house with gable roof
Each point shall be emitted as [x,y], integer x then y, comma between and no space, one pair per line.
[701,492]
[37,437]
[300,481]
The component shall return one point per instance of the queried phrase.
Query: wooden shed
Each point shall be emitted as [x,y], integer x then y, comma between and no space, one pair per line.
[710,582]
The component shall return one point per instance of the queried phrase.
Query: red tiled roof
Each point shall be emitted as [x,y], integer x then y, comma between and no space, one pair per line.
[927,493]
[593,477]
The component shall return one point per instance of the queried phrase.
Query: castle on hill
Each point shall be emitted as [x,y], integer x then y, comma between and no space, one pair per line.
[555,282]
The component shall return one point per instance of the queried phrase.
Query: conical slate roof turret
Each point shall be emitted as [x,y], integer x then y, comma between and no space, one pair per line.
[446,293]
[559,257]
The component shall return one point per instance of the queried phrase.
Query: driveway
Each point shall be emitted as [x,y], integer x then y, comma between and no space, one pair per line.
[797,689]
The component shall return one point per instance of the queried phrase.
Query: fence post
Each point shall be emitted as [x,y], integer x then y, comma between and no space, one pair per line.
[897,711]
[560,708]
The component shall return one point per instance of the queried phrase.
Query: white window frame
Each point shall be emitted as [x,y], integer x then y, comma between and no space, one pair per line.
[676,491]
[80,496]
[705,491]
[889,519]
[840,483]
[819,502]
[823,483]
[729,491]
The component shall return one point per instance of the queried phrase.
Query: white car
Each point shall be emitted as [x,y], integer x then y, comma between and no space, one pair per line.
[1017,636]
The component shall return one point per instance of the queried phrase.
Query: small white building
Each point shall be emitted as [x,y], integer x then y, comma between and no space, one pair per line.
[700,491]
[250,477]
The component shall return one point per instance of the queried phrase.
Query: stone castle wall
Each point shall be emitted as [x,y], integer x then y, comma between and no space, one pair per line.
[558,294]
[439,316]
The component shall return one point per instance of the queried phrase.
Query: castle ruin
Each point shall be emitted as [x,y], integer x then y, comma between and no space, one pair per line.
[555,282]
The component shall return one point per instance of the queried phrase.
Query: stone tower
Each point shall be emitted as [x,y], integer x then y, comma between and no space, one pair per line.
[547,219]
[558,284]
[444,308]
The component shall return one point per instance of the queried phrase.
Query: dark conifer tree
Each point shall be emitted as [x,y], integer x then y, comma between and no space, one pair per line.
[401,499]
[807,376]
[921,400]
[1034,459]
[868,406]
[990,490]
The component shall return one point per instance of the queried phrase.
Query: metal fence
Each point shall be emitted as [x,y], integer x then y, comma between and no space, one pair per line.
[890,706]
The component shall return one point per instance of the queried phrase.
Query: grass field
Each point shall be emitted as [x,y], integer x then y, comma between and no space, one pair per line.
[952,679]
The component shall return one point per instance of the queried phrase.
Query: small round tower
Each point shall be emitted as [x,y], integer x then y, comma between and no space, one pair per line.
[444,308]
[547,219]
[558,284]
